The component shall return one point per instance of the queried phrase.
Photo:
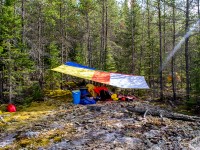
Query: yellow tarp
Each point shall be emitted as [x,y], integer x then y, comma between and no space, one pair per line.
[74,71]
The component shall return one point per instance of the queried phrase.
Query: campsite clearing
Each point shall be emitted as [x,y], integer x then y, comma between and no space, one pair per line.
[58,124]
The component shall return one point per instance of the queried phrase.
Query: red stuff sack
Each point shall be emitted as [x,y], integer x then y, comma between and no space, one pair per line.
[11,108]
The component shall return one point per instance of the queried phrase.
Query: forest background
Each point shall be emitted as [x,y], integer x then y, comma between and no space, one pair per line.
[127,36]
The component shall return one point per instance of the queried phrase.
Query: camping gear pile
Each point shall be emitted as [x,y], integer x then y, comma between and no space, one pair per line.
[90,94]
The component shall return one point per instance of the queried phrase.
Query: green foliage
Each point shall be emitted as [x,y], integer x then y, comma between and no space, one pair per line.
[85,6]
[193,105]
[37,92]
[79,55]
[52,78]
[27,94]
[54,55]
[195,75]
[1,49]
[18,65]
[195,78]
[110,63]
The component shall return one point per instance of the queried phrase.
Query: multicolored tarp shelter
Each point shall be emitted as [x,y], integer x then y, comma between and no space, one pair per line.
[114,79]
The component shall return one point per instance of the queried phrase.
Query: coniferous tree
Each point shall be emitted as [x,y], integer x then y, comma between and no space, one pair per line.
[17,64]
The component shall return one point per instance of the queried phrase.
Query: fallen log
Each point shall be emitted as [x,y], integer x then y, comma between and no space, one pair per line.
[155,111]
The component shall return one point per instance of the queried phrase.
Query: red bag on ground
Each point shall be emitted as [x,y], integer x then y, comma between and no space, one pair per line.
[98,89]
[11,108]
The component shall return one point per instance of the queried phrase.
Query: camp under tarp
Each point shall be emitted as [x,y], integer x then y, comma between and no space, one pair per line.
[114,79]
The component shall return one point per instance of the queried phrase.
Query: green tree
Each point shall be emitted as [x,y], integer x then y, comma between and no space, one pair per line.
[17,64]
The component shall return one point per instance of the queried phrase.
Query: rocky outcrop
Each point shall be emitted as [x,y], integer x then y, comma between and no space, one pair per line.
[108,125]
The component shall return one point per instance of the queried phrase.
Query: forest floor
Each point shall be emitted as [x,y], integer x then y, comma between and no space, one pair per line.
[58,124]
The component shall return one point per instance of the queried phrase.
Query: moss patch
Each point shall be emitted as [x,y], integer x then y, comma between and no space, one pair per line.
[36,117]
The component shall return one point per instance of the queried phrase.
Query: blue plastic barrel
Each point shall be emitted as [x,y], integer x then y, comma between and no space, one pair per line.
[84,91]
[76,94]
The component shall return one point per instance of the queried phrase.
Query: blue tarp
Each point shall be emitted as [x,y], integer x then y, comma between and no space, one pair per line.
[73,64]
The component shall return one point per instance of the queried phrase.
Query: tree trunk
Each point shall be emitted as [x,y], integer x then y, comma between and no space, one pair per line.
[198,8]
[106,37]
[61,40]
[173,57]
[62,61]
[61,33]
[9,72]
[164,29]
[151,55]
[160,45]
[149,37]
[22,24]
[186,52]
[102,36]
[89,52]
[142,44]
[40,51]
[133,36]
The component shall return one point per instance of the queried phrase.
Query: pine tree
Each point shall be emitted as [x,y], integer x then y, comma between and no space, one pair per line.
[17,64]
